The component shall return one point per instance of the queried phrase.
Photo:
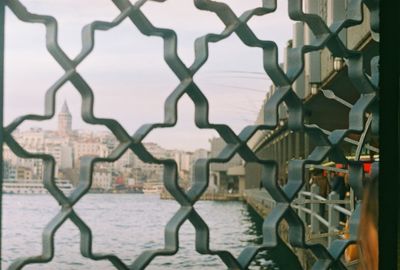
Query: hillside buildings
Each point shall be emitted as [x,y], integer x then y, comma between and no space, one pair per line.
[68,146]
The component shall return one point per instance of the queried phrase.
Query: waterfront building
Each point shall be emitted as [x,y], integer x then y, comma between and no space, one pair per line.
[66,157]
[91,147]
[182,159]
[102,180]
[32,139]
[197,154]
[219,177]
[68,146]
[150,171]
[18,172]
[125,162]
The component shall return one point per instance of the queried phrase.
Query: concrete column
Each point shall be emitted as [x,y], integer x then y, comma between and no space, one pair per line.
[290,146]
[293,139]
[337,12]
[298,41]
[285,154]
[314,210]
[297,145]
[307,149]
[333,216]
[313,59]
[280,156]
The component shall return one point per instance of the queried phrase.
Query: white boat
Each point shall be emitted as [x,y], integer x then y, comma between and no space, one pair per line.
[153,188]
[22,186]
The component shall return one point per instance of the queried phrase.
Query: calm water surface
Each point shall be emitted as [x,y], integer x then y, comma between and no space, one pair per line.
[126,224]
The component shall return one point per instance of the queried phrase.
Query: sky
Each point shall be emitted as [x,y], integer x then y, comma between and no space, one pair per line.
[126,70]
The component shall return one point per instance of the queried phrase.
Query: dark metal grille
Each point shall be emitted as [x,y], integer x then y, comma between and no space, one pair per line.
[326,145]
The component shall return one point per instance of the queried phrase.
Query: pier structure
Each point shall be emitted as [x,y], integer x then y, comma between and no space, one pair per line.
[323,229]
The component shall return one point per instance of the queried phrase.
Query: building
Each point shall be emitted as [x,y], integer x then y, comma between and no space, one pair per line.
[219,178]
[150,172]
[64,121]
[91,147]
[102,180]
[68,146]
[183,161]
[197,154]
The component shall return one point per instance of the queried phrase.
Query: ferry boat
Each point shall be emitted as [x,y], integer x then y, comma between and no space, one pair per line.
[33,186]
[153,188]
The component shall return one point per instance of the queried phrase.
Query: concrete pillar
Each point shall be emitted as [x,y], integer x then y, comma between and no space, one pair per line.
[314,209]
[290,146]
[298,41]
[285,155]
[307,149]
[333,216]
[297,144]
[312,60]
[337,12]
[280,156]
[242,184]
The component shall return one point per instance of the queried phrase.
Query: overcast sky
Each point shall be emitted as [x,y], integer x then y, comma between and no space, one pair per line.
[127,72]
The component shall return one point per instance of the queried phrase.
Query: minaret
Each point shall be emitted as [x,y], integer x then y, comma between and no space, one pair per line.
[64,120]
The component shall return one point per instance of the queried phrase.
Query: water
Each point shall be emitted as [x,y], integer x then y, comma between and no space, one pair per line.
[126,225]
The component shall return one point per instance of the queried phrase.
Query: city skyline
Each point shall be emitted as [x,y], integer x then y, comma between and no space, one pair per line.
[129,173]
[56,125]
[125,63]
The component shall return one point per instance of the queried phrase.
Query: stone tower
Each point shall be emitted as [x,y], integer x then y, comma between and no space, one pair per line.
[64,120]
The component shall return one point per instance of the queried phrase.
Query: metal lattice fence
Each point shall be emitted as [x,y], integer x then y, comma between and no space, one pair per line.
[326,145]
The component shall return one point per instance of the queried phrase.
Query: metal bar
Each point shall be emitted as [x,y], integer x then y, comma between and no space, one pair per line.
[342,210]
[327,168]
[329,94]
[369,147]
[333,216]
[321,201]
[312,214]
[283,104]
[323,235]
[314,208]
[363,136]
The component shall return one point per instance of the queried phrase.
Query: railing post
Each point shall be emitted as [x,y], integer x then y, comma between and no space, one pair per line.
[302,214]
[314,209]
[333,216]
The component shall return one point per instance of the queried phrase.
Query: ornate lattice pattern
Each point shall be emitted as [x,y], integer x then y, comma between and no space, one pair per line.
[327,146]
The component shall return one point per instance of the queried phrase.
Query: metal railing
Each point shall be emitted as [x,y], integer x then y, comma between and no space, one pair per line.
[331,222]
[321,36]
[307,206]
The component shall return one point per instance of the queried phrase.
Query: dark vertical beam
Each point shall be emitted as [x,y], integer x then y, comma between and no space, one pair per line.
[302,145]
[389,175]
[307,148]
[297,145]
[293,138]
[2,15]
[280,156]
[290,146]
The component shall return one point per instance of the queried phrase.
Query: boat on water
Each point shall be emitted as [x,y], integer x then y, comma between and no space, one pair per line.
[116,191]
[34,186]
[153,189]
